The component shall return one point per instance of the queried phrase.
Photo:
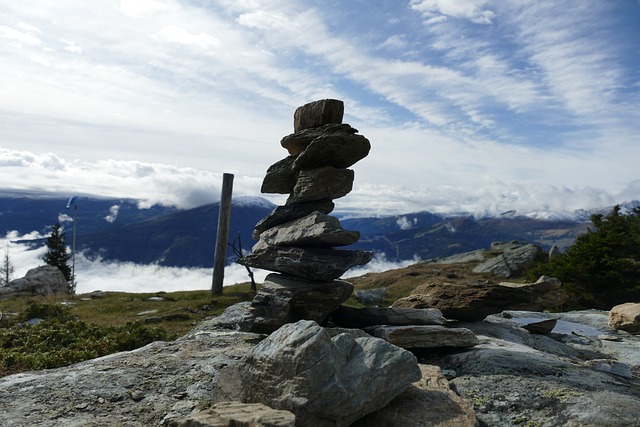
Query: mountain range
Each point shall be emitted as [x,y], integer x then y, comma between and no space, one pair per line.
[125,230]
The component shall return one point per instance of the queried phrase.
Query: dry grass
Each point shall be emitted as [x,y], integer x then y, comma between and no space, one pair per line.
[177,312]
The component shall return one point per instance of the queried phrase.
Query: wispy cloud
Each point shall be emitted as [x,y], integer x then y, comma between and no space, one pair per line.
[458,98]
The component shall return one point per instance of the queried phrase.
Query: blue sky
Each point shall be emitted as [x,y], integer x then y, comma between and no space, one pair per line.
[481,106]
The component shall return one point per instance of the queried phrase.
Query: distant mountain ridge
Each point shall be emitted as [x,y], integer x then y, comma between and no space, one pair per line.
[117,229]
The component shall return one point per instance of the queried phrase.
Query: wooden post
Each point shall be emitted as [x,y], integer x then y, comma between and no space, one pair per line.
[222,239]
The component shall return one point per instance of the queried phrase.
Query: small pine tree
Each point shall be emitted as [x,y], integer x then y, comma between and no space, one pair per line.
[6,268]
[57,254]
[604,262]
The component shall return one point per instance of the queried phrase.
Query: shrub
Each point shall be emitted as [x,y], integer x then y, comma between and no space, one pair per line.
[61,340]
[604,263]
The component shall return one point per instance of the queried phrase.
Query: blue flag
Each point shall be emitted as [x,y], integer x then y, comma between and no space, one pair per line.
[72,201]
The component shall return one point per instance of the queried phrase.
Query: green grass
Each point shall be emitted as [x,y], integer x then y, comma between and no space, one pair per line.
[80,327]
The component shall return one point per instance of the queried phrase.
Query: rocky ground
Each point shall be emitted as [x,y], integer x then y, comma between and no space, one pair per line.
[573,370]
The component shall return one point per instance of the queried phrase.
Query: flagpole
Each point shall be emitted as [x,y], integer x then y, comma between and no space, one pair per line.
[73,249]
[72,200]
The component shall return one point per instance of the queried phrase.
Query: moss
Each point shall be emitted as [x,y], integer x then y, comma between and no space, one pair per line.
[561,394]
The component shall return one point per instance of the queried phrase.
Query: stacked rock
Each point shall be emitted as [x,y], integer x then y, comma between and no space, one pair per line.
[299,239]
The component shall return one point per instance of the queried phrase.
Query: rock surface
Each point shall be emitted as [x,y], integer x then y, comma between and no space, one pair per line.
[626,317]
[238,414]
[43,281]
[584,373]
[428,402]
[326,381]
[514,258]
[475,301]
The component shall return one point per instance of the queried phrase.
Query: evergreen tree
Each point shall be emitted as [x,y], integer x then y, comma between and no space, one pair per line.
[604,262]
[57,254]
[6,268]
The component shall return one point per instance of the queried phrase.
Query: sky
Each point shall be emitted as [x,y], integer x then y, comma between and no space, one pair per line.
[480,106]
[470,105]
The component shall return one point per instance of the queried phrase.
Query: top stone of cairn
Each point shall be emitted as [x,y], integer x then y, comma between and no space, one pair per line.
[318,113]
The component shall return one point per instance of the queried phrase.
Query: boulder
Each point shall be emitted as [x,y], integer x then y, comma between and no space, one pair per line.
[285,299]
[468,301]
[315,229]
[237,414]
[309,263]
[321,183]
[515,258]
[42,281]
[318,113]
[289,212]
[424,336]
[350,317]
[625,317]
[325,381]
[427,402]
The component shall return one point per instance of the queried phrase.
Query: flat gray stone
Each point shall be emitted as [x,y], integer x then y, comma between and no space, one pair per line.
[350,317]
[318,113]
[289,212]
[337,150]
[425,336]
[297,142]
[322,183]
[308,263]
[315,229]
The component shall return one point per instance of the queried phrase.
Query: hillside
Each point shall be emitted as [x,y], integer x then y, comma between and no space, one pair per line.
[122,230]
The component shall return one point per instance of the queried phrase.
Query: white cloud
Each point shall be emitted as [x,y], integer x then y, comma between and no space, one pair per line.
[404,223]
[113,213]
[175,34]
[20,36]
[437,10]
[94,275]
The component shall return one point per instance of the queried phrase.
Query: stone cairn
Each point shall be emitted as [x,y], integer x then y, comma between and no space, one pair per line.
[298,240]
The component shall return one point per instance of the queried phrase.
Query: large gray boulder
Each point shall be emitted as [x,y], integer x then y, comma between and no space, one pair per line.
[43,281]
[326,381]
[515,257]
[476,301]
